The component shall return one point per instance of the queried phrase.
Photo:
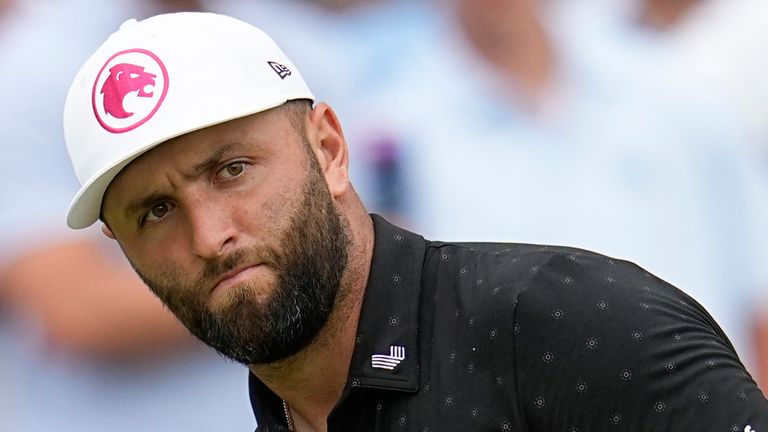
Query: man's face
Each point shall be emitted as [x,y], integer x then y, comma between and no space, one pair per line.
[234,229]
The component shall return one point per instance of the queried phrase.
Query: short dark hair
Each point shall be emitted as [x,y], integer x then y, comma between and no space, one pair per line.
[297,111]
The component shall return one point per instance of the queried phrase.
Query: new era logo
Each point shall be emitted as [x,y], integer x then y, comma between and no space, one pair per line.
[280,70]
[389,362]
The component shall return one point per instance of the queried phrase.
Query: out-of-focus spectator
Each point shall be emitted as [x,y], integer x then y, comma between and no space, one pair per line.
[85,346]
[516,128]
[552,122]
[711,49]
[569,129]
[721,43]
[721,46]
[510,37]
[349,52]
[664,15]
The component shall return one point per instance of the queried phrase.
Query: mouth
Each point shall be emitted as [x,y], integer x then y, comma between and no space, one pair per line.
[235,277]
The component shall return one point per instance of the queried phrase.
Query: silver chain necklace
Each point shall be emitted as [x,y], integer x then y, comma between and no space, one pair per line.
[288,416]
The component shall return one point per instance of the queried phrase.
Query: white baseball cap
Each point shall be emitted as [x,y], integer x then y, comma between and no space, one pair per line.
[162,77]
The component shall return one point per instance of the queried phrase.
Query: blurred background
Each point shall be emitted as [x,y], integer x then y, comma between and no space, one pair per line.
[635,128]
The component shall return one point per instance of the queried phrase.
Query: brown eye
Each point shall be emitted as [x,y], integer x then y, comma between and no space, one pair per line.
[232,170]
[158,211]
[235,169]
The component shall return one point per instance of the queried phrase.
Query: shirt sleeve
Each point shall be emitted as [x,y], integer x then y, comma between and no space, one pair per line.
[603,345]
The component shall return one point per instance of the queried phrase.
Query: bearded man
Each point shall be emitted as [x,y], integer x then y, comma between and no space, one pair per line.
[227,188]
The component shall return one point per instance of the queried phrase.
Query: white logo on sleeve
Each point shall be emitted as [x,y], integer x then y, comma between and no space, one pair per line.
[749,429]
[389,362]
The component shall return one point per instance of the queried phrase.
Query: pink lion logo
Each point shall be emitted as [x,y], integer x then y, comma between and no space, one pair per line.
[125,78]
[136,74]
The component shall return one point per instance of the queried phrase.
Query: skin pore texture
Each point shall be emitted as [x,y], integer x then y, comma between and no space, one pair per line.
[252,235]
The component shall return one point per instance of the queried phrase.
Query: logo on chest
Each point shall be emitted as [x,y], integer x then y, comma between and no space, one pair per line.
[388,362]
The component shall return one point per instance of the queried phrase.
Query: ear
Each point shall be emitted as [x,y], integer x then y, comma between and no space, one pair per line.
[327,140]
[107,231]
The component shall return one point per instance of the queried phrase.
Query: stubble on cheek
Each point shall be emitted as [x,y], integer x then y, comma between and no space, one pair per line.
[274,313]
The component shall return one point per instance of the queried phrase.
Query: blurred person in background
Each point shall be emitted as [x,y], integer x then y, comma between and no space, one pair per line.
[587,133]
[710,48]
[599,94]
[348,50]
[419,94]
[721,45]
[185,191]
[84,346]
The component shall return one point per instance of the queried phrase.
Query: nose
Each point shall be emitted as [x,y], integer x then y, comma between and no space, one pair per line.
[212,229]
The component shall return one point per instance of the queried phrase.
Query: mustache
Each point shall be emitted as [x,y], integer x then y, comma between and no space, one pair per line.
[216,268]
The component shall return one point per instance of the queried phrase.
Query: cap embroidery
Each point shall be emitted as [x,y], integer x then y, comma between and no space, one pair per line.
[129,90]
[281,70]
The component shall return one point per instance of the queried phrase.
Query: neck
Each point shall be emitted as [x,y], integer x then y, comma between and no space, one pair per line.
[312,381]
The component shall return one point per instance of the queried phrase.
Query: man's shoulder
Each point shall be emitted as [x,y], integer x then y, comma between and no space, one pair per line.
[490,279]
[511,249]
[515,252]
[538,278]
[540,264]
[515,263]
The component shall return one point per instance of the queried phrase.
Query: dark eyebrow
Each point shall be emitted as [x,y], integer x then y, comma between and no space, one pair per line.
[144,203]
[213,160]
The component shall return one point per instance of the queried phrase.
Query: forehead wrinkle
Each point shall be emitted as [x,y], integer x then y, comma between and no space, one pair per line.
[209,162]
[147,199]
[174,146]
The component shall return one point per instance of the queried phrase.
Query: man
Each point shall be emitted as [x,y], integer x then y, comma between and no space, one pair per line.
[76,323]
[198,148]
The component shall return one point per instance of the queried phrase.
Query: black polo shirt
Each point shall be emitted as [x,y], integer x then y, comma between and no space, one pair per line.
[512,337]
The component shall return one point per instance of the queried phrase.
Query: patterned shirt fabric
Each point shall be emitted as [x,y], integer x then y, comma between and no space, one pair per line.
[516,337]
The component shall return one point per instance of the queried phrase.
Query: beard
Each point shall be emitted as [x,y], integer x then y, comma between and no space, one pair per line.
[308,270]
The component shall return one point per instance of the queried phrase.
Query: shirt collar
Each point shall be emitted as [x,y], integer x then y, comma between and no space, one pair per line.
[388,325]
[386,352]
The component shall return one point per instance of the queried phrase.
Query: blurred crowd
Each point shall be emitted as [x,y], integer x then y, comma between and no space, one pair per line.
[635,128]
